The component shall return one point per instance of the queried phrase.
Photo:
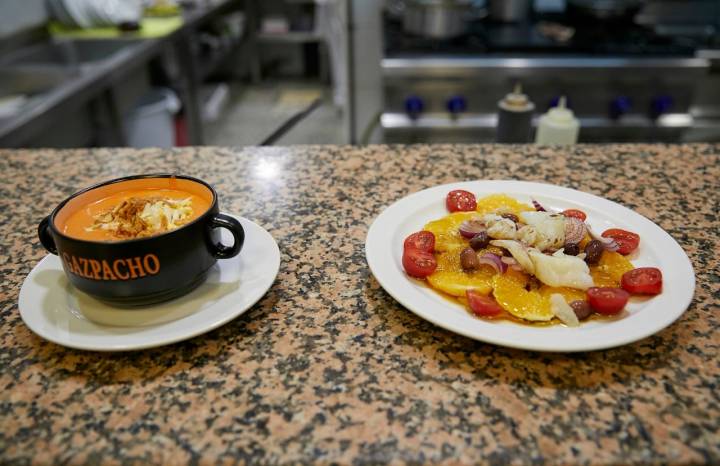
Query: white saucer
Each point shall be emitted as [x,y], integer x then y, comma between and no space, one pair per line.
[56,311]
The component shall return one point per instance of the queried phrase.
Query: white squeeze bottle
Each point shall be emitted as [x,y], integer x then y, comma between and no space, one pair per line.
[558,126]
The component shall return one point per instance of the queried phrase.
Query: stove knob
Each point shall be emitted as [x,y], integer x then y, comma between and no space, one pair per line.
[456,105]
[414,106]
[619,106]
[660,104]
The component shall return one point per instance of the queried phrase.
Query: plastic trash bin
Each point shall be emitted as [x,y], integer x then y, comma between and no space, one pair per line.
[151,123]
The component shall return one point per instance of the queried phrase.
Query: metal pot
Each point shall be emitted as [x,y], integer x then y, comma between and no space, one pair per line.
[509,11]
[437,19]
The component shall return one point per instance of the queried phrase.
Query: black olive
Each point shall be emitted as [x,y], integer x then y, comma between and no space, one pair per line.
[571,249]
[479,241]
[582,309]
[593,252]
[469,260]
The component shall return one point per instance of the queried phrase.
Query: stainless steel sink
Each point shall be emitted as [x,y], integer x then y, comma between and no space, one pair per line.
[42,82]
[31,82]
[23,89]
[69,53]
[32,74]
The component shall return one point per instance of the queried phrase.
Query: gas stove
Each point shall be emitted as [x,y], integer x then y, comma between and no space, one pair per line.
[624,81]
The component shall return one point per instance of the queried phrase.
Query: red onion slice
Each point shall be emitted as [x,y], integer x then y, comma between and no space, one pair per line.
[574,230]
[469,228]
[493,261]
[608,243]
[538,206]
[509,260]
[512,263]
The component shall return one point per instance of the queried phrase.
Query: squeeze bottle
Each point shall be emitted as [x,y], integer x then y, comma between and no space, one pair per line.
[558,126]
[515,113]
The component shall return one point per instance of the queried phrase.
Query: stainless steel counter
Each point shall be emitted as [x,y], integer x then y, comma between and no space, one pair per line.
[92,81]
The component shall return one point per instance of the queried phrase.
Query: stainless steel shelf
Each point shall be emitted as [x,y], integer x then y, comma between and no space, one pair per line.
[480,67]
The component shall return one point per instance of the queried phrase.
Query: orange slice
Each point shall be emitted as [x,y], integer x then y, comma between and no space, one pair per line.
[570,294]
[446,232]
[610,269]
[501,203]
[450,278]
[510,291]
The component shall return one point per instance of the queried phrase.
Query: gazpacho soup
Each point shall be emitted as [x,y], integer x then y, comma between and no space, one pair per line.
[132,209]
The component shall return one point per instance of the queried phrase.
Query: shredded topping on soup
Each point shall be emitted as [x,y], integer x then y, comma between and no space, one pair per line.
[141,217]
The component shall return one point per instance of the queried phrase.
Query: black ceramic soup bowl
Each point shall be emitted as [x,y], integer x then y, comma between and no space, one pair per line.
[141,271]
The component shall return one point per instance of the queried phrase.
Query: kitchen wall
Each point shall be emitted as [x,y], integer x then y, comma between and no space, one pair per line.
[16,15]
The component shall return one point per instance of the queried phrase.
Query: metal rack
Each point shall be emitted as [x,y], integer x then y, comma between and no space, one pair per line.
[257,38]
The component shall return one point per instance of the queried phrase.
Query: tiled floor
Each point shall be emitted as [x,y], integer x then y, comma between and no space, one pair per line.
[255,112]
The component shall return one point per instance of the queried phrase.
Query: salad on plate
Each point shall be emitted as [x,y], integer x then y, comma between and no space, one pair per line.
[502,258]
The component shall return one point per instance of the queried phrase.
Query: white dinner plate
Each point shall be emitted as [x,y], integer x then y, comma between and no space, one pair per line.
[642,317]
[58,312]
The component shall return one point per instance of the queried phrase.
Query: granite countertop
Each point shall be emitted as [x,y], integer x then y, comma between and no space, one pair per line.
[327,367]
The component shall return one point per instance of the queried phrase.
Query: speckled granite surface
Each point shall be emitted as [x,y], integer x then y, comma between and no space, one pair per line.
[327,368]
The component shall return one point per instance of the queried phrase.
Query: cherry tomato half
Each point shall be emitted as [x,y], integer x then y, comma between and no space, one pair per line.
[607,301]
[483,306]
[460,201]
[417,263]
[421,240]
[645,280]
[627,240]
[579,214]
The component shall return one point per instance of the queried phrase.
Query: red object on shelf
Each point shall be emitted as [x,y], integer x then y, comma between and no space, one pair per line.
[181,134]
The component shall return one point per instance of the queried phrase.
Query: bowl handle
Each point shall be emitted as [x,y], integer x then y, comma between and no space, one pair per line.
[45,238]
[219,250]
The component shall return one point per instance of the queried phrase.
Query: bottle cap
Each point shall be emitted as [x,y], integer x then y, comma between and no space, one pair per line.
[561,114]
[516,101]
